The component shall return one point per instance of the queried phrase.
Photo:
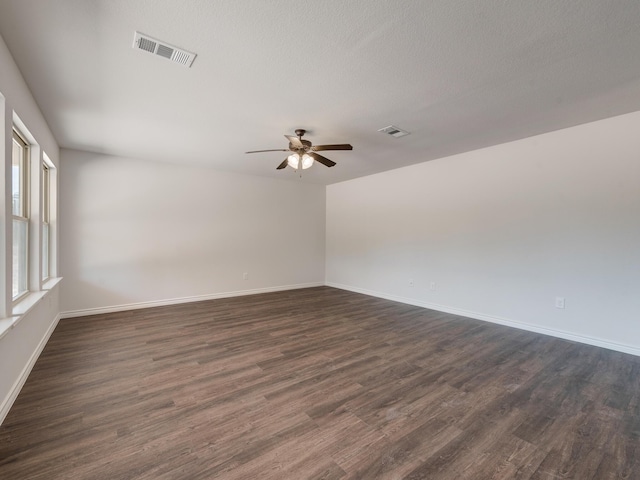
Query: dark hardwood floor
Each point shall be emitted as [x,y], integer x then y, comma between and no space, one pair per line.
[319,384]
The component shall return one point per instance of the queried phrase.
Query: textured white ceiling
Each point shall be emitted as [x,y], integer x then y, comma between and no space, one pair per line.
[457,74]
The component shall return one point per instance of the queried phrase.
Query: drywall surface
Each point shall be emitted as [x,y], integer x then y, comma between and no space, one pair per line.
[20,344]
[141,232]
[499,233]
[20,101]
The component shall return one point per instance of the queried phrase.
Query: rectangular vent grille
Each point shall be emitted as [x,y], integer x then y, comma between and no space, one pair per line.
[146,44]
[394,131]
[163,49]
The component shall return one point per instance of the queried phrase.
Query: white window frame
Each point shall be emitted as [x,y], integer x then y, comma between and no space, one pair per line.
[22,217]
[46,221]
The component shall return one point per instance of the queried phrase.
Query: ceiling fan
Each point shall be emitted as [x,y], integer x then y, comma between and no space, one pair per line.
[304,153]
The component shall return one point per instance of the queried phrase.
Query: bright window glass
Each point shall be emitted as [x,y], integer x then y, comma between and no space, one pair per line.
[19,176]
[20,246]
[46,201]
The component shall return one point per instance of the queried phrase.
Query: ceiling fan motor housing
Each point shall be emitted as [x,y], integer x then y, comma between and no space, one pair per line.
[306,145]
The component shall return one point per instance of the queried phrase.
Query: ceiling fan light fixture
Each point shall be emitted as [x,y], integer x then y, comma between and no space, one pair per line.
[304,154]
[307,161]
[293,160]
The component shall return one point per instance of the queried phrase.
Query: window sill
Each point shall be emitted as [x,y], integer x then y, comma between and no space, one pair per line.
[50,283]
[25,305]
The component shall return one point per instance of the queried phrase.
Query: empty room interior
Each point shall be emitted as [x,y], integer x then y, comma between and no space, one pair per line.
[319,240]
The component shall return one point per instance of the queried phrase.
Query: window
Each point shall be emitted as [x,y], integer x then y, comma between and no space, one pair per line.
[46,212]
[20,210]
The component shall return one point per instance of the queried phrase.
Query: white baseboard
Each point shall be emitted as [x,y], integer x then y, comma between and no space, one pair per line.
[597,342]
[176,301]
[7,403]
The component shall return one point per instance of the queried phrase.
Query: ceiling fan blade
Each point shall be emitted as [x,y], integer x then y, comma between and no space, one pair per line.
[283,164]
[295,141]
[277,150]
[342,146]
[323,160]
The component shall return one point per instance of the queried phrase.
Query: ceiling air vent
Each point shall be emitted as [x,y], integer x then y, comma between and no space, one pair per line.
[393,131]
[163,49]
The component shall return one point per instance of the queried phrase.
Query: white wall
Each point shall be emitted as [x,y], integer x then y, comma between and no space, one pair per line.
[136,231]
[503,231]
[22,342]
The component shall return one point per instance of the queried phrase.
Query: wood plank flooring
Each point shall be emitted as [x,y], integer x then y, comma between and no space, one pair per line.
[319,384]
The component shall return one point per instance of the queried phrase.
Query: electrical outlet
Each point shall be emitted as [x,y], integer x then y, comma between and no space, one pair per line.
[559,302]
[433,285]
[411,283]
[245,276]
